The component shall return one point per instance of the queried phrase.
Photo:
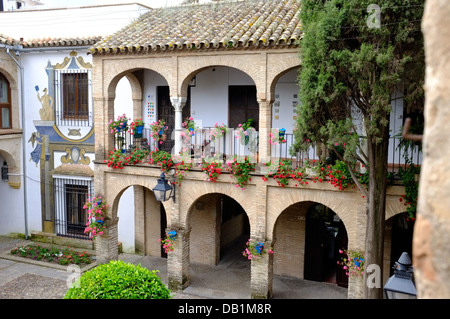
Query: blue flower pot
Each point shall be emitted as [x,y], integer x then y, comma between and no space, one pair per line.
[138,131]
[358,261]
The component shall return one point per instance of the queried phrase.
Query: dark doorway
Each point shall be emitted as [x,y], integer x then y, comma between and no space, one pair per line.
[166,112]
[243,105]
[402,236]
[235,227]
[325,234]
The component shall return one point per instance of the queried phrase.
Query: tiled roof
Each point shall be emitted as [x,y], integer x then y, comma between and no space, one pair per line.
[236,24]
[60,42]
[7,40]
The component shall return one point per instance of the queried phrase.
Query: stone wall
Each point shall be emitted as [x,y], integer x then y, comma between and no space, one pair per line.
[431,251]
[196,215]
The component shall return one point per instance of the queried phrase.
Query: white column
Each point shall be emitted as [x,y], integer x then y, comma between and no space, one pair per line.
[178,103]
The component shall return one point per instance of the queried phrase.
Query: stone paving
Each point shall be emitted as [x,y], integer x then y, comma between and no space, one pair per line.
[228,280]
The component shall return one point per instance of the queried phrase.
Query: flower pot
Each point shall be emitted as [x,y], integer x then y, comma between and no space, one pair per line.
[358,261]
[138,131]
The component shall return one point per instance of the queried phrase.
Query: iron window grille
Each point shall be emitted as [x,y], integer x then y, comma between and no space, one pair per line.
[73,97]
[70,196]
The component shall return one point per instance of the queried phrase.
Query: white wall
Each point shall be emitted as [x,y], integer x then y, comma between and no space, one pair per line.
[12,218]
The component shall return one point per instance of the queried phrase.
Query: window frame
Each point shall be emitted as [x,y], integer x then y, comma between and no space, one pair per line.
[62,185]
[7,105]
[62,112]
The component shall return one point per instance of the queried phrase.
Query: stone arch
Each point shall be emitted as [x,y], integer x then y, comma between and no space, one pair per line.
[186,78]
[307,239]
[12,165]
[191,194]
[348,205]
[7,71]
[277,69]
[272,82]
[147,211]
[216,221]
[117,184]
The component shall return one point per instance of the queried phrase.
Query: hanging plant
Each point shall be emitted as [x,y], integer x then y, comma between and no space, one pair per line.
[137,127]
[96,208]
[255,249]
[168,241]
[158,130]
[352,262]
[240,170]
[218,131]
[212,169]
[189,127]
[277,136]
[119,125]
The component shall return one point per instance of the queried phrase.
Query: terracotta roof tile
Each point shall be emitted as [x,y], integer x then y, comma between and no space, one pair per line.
[60,42]
[7,40]
[227,25]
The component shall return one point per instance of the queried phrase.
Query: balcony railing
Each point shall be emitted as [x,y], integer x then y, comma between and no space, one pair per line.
[232,143]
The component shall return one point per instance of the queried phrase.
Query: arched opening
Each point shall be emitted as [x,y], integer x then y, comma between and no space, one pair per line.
[400,229]
[325,235]
[307,239]
[219,230]
[221,94]
[142,221]
[5,103]
[219,226]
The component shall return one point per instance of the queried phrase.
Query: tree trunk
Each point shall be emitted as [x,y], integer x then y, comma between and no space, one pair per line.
[376,211]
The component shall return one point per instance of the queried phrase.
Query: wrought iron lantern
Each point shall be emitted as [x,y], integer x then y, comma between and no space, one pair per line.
[5,172]
[401,285]
[164,190]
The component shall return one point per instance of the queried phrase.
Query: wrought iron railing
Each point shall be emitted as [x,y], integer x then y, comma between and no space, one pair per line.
[203,145]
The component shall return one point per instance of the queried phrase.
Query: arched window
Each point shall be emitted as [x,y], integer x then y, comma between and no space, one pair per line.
[5,103]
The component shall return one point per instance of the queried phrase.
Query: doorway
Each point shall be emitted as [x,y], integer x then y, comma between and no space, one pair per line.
[325,235]
[242,105]
[166,112]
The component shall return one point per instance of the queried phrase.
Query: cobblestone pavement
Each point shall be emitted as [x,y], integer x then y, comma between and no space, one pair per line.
[229,280]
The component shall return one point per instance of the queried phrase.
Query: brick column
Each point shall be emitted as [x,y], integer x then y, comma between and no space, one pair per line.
[106,244]
[139,220]
[265,125]
[178,274]
[261,282]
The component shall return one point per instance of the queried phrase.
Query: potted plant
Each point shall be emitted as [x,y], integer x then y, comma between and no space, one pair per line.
[243,131]
[119,125]
[255,249]
[218,131]
[189,126]
[168,240]
[352,262]
[158,131]
[137,127]
[96,208]
[277,136]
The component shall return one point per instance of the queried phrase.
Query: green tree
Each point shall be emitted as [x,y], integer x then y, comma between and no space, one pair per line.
[355,56]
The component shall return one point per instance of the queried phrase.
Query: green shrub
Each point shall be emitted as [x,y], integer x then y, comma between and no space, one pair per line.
[118,280]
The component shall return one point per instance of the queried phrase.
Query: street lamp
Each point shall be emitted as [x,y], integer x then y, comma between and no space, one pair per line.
[164,190]
[401,285]
[5,172]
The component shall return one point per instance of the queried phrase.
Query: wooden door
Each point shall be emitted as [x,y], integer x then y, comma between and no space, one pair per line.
[243,105]
[166,112]
[315,247]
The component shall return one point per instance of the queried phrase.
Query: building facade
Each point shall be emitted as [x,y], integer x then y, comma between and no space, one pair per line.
[220,64]
[253,60]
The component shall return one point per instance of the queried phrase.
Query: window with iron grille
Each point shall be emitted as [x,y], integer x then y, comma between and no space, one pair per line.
[73,91]
[70,196]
